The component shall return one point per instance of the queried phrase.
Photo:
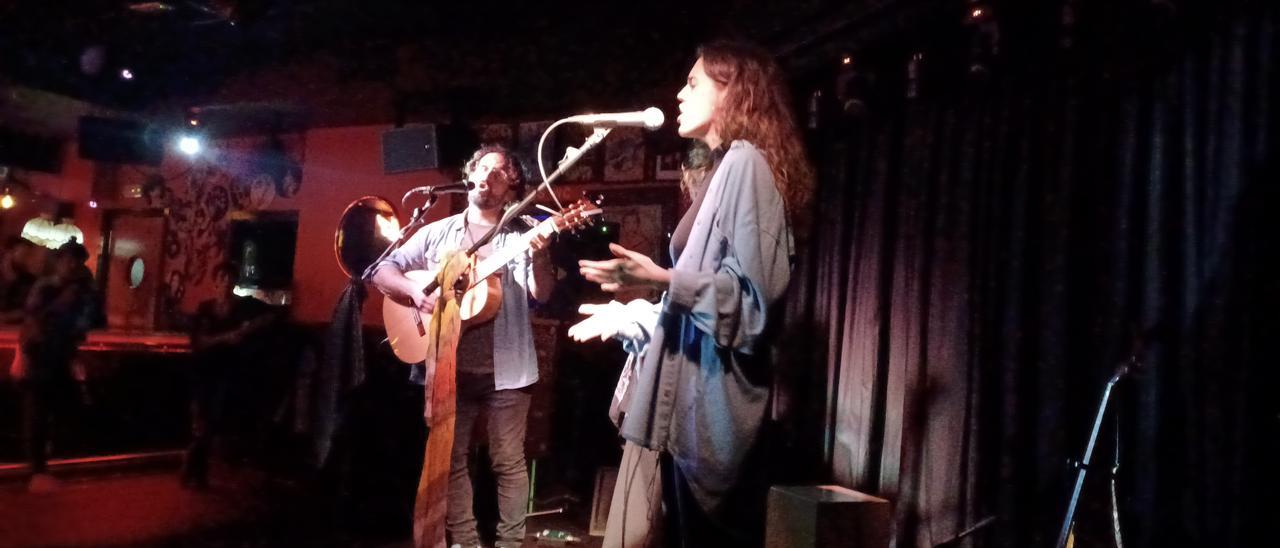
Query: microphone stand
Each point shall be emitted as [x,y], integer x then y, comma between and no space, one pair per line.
[1083,465]
[416,219]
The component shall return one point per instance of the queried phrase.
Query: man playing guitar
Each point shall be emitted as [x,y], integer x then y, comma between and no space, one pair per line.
[496,363]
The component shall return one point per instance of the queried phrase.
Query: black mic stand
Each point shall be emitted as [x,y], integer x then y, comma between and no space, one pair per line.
[416,219]
[597,135]
[1068,521]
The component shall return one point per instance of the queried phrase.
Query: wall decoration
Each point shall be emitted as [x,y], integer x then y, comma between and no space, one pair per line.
[259,191]
[624,155]
[646,214]
[572,135]
[641,230]
[667,166]
[291,182]
[272,168]
[155,192]
[244,174]
[527,148]
[501,134]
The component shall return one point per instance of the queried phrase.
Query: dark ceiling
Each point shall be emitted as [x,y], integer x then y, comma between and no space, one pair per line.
[470,56]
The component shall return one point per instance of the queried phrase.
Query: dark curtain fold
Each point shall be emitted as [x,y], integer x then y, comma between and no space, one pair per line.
[987,253]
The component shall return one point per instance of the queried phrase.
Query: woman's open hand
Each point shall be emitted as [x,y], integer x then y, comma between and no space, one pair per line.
[628,269]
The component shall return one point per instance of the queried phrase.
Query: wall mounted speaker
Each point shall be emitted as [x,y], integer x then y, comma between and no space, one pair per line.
[120,140]
[410,149]
[430,146]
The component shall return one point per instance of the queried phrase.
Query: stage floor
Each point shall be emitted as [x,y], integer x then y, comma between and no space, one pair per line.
[145,506]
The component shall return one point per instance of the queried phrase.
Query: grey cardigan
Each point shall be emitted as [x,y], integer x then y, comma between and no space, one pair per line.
[702,389]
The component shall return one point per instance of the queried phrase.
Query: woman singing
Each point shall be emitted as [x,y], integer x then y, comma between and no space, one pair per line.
[696,402]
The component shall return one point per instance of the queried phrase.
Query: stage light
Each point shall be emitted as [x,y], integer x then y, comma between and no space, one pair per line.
[93,204]
[126,74]
[846,60]
[189,145]
[6,201]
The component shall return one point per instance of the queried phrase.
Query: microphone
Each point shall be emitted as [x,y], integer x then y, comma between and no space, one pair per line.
[650,118]
[447,188]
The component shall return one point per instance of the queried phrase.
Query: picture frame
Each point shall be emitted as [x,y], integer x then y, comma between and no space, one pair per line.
[624,155]
[667,167]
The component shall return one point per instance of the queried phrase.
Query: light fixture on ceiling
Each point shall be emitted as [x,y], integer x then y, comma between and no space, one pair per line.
[51,234]
[189,144]
[150,7]
[9,183]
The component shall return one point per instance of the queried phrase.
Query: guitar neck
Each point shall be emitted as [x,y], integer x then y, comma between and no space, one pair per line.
[499,259]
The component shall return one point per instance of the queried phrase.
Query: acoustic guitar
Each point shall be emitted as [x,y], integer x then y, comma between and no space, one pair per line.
[480,288]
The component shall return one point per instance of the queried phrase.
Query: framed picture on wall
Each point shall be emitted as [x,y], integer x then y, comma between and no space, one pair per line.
[527,147]
[502,134]
[624,155]
[667,166]
[586,168]
[644,215]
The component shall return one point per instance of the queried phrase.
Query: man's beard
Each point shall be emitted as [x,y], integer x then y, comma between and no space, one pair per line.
[485,201]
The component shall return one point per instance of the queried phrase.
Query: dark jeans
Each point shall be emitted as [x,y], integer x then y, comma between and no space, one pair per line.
[209,388]
[507,415]
[47,389]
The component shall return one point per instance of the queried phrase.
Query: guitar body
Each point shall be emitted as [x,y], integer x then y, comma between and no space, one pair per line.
[481,286]
[407,326]
[480,303]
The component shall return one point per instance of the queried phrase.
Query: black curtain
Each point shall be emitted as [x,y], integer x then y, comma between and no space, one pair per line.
[994,231]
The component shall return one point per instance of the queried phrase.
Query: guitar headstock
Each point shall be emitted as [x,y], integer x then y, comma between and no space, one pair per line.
[578,214]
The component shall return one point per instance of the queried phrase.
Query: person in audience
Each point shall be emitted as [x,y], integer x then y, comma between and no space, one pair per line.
[16,278]
[222,342]
[58,313]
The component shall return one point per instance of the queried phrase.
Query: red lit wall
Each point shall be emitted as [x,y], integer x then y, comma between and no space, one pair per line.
[342,165]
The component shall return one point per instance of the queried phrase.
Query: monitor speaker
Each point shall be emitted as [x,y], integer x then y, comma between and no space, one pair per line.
[809,516]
